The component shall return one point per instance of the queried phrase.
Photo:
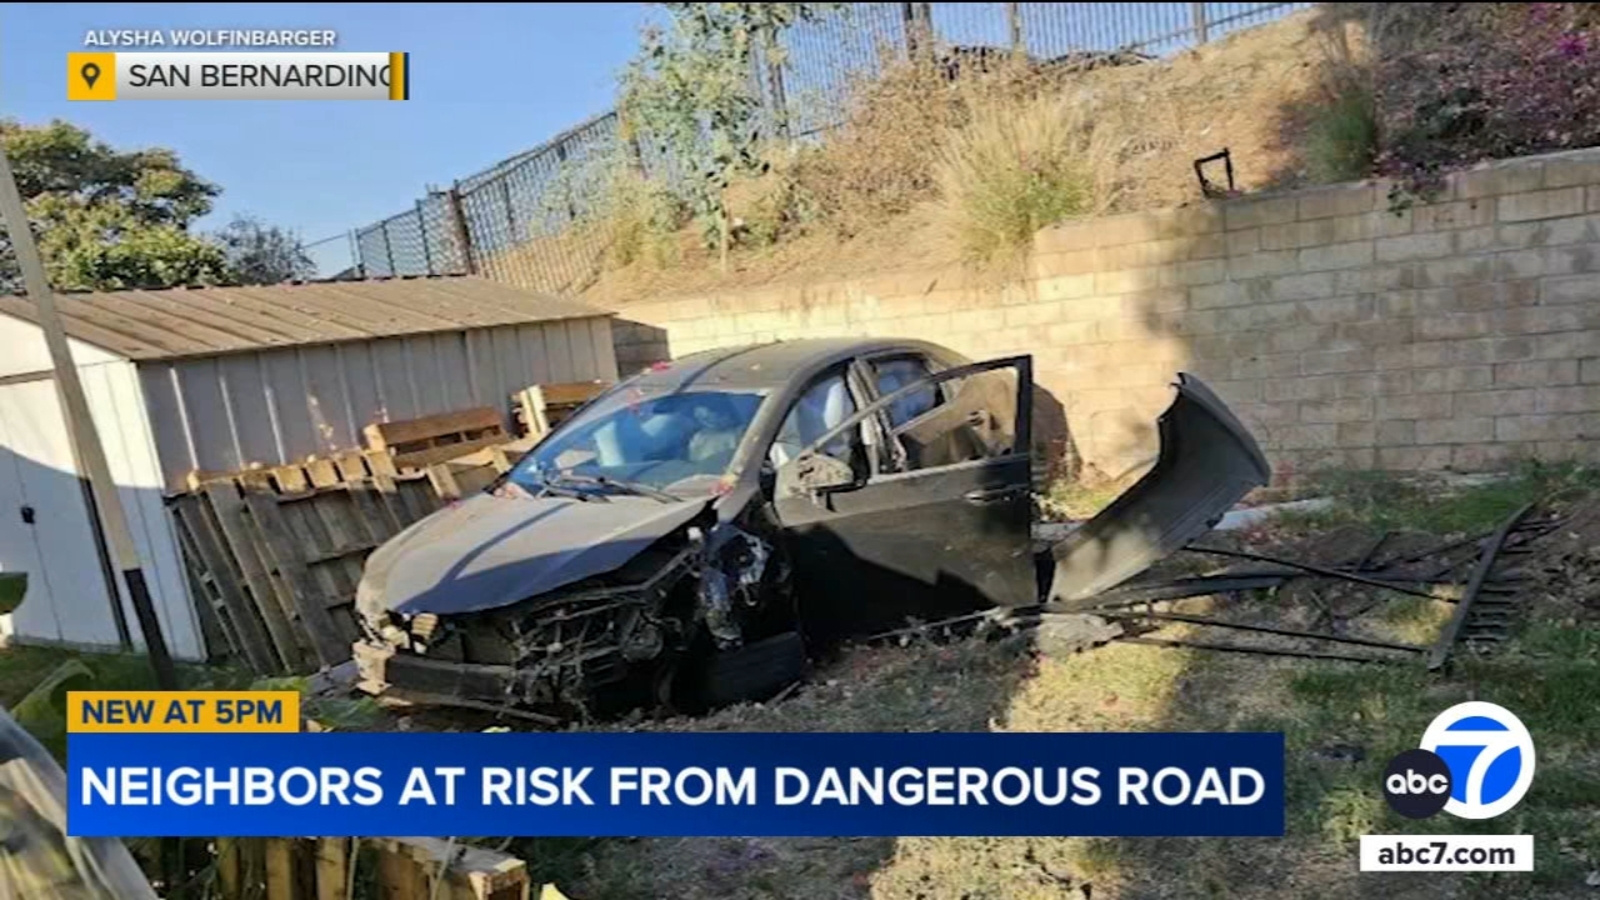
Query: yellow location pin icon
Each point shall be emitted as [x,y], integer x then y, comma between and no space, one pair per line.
[91,76]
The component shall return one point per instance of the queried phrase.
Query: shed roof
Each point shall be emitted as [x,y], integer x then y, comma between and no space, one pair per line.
[164,324]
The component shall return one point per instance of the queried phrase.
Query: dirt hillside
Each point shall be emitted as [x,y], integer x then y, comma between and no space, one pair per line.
[1245,93]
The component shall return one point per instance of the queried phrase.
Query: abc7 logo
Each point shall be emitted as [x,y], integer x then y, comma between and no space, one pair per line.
[1476,762]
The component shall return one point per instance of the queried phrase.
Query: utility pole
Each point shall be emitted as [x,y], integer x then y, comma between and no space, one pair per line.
[86,447]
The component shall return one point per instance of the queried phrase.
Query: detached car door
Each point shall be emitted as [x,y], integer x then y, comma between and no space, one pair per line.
[922,518]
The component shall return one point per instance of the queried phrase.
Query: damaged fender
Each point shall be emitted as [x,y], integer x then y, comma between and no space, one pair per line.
[733,563]
[1207,462]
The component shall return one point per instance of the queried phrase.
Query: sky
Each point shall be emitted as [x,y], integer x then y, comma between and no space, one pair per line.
[488,81]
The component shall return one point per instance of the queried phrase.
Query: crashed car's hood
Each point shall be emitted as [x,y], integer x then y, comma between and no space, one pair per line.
[487,552]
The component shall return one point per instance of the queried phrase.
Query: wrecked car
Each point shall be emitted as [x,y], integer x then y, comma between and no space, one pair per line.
[685,536]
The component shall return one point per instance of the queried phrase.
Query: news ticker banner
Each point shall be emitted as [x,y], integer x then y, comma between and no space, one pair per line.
[239,75]
[235,767]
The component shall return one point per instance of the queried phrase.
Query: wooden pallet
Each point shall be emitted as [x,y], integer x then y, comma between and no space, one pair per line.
[541,407]
[274,554]
[399,868]
[468,474]
[419,443]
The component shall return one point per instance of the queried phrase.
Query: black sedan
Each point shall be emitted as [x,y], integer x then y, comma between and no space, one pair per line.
[687,535]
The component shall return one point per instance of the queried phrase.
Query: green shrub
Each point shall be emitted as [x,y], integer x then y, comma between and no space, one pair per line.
[643,218]
[1342,141]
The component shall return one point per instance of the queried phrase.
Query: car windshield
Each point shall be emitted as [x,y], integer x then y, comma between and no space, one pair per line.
[663,441]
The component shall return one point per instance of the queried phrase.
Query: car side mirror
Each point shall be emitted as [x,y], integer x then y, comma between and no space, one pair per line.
[815,475]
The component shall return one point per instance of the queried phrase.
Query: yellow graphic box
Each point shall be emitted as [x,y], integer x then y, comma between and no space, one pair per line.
[91,76]
[183,712]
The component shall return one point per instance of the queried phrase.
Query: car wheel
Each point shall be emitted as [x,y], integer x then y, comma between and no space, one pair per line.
[750,673]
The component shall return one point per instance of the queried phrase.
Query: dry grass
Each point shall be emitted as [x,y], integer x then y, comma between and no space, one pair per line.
[1076,499]
[880,163]
[864,200]
[1014,169]
[1342,723]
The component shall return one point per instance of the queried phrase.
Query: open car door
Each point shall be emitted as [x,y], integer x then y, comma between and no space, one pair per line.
[923,519]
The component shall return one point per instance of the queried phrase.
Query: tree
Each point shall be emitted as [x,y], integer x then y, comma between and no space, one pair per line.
[691,92]
[108,219]
[263,254]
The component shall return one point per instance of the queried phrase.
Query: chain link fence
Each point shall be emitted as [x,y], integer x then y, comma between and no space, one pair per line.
[332,257]
[528,219]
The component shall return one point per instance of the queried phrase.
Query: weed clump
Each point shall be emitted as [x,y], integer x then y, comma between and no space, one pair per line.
[880,162]
[643,217]
[1013,171]
[1342,137]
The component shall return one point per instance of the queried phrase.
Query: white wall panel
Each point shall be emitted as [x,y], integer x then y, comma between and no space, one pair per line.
[277,406]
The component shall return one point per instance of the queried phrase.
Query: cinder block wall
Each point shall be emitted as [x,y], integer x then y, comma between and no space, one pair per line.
[1459,334]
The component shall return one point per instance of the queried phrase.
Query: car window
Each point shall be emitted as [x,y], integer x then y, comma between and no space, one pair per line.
[825,404]
[977,420]
[664,440]
[894,373]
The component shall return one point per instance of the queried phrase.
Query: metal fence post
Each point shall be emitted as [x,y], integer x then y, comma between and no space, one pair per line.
[1014,20]
[356,260]
[925,23]
[566,186]
[768,77]
[1198,12]
[780,102]
[422,229]
[505,197]
[919,30]
[458,224]
[388,251]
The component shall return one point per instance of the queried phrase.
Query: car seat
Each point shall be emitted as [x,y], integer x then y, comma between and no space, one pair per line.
[814,415]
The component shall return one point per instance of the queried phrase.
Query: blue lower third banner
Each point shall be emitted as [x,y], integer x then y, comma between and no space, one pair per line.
[638,784]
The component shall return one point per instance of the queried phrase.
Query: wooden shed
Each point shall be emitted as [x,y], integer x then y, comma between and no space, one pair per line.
[218,379]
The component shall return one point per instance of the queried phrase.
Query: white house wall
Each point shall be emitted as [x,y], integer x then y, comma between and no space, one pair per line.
[276,406]
[117,405]
[22,349]
[45,528]
[71,606]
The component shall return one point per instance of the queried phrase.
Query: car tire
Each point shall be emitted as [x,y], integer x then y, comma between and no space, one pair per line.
[751,673]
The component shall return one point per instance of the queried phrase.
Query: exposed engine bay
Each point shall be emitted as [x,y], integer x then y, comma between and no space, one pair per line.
[566,652]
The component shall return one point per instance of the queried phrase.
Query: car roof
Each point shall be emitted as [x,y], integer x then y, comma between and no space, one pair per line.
[769,365]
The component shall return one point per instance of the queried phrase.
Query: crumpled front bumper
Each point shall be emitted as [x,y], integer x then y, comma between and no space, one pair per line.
[560,651]
[1208,461]
[551,653]
[406,677]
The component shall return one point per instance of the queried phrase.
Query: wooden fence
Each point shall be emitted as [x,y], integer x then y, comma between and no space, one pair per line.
[274,554]
[384,869]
